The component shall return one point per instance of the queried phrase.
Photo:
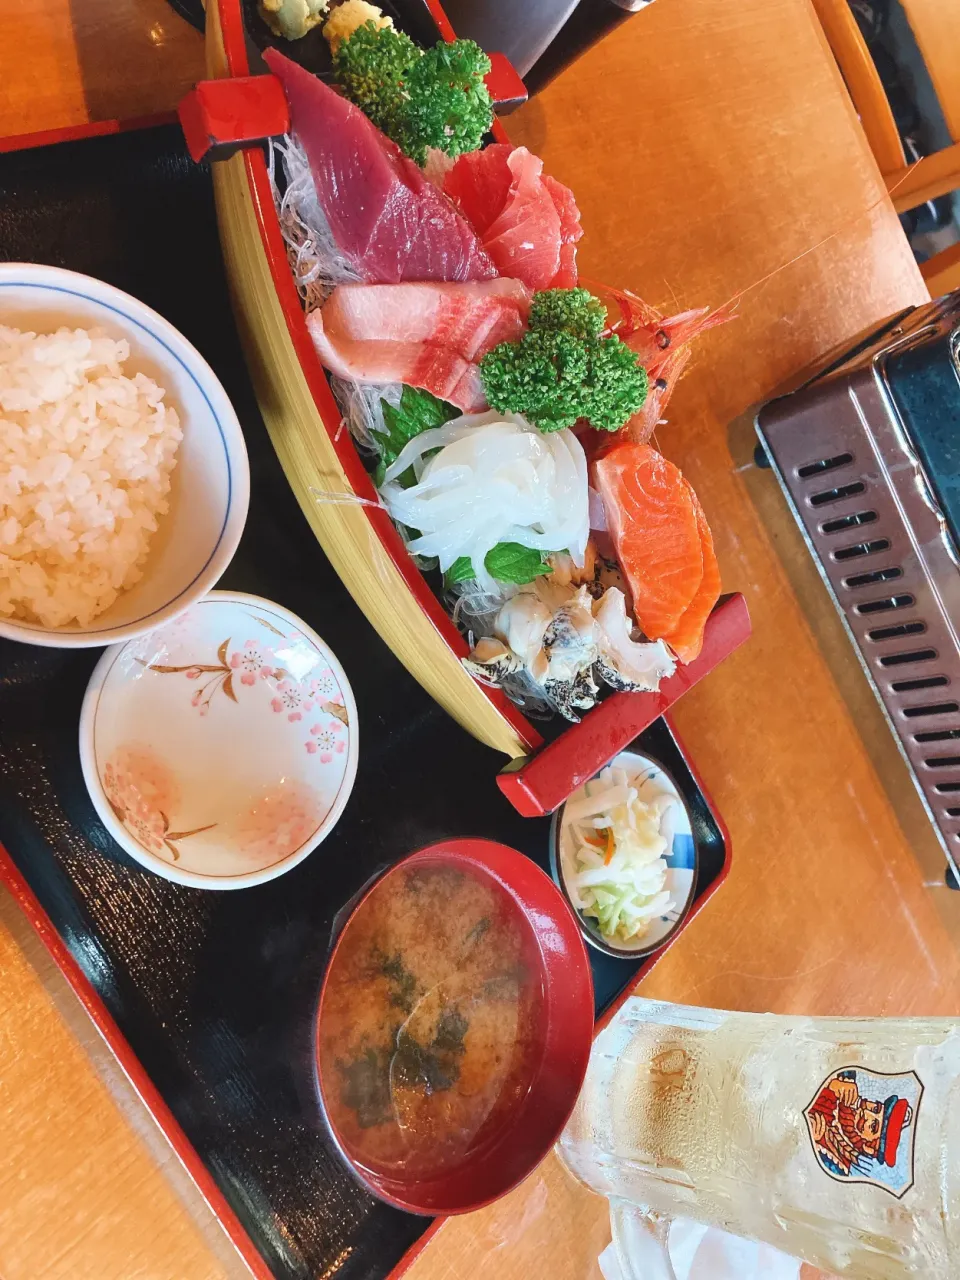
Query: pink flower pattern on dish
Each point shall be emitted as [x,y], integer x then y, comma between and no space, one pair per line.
[279,822]
[254,662]
[292,698]
[142,791]
[327,740]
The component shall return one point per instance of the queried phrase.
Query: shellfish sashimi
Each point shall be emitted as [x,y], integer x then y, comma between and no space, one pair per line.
[390,221]
[426,335]
[567,643]
[663,544]
[529,224]
[494,479]
[625,663]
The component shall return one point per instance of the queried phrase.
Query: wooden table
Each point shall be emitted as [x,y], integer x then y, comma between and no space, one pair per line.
[708,145]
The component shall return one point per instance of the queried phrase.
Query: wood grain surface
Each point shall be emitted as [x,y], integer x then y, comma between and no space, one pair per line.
[713,151]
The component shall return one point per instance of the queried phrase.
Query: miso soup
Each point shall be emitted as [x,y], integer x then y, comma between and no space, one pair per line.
[430,1025]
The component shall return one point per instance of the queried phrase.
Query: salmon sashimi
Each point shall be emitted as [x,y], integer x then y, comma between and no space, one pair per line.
[686,639]
[388,219]
[528,224]
[426,335]
[662,542]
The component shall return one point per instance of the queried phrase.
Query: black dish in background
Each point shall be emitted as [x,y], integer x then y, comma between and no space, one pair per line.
[216,992]
[191,11]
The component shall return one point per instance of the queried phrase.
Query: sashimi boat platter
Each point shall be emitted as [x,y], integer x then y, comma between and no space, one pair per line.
[347,890]
[492,418]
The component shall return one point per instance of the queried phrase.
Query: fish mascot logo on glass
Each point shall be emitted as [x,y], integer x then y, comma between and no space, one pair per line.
[862,1125]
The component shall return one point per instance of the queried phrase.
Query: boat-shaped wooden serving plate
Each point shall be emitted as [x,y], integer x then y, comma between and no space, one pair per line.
[318,454]
[209,999]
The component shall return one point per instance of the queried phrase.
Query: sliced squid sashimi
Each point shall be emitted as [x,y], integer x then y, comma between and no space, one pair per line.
[663,544]
[426,335]
[529,224]
[387,217]
[490,478]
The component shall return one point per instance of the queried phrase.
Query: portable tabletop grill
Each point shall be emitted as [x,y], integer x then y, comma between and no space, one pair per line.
[868,455]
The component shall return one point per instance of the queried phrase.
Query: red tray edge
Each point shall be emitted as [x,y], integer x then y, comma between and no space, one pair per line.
[132,1068]
[89,129]
[135,1072]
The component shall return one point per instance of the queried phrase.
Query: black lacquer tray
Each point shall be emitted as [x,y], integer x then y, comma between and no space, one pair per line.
[209,998]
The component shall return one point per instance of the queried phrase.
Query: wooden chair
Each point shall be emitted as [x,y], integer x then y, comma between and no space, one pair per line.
[936,28]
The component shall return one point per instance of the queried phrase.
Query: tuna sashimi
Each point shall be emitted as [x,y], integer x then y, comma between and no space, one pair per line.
[529,224]
[387,218]
[427,335]
[570,232]
[663,544]
[479,184]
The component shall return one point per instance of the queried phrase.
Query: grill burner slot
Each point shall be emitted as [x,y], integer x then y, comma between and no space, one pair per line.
[942,762]
[953,813]
[894,633]
[942,735]
[927,682]
[836,495]
[862,549]
[932,709]
[901,659]
[848,522]
[824,464]
[882,606]
[870,579]
[945,787]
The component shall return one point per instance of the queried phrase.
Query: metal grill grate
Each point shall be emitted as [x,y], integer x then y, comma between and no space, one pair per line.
[882,544]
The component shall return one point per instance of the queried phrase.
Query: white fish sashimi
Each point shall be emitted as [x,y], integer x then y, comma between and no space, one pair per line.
[492,478]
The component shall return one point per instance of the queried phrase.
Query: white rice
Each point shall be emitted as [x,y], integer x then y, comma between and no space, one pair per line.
[86,454]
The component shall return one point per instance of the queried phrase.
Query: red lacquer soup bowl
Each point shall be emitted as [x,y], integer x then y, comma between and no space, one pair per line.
[454,1027]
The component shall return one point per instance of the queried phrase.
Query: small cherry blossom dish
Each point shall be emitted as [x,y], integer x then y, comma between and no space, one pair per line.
[220,749]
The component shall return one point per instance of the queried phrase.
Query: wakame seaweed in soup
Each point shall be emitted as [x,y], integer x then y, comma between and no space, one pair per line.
[431,1029]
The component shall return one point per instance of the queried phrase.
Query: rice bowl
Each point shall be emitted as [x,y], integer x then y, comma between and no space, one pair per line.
[86,454]
[124,482]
